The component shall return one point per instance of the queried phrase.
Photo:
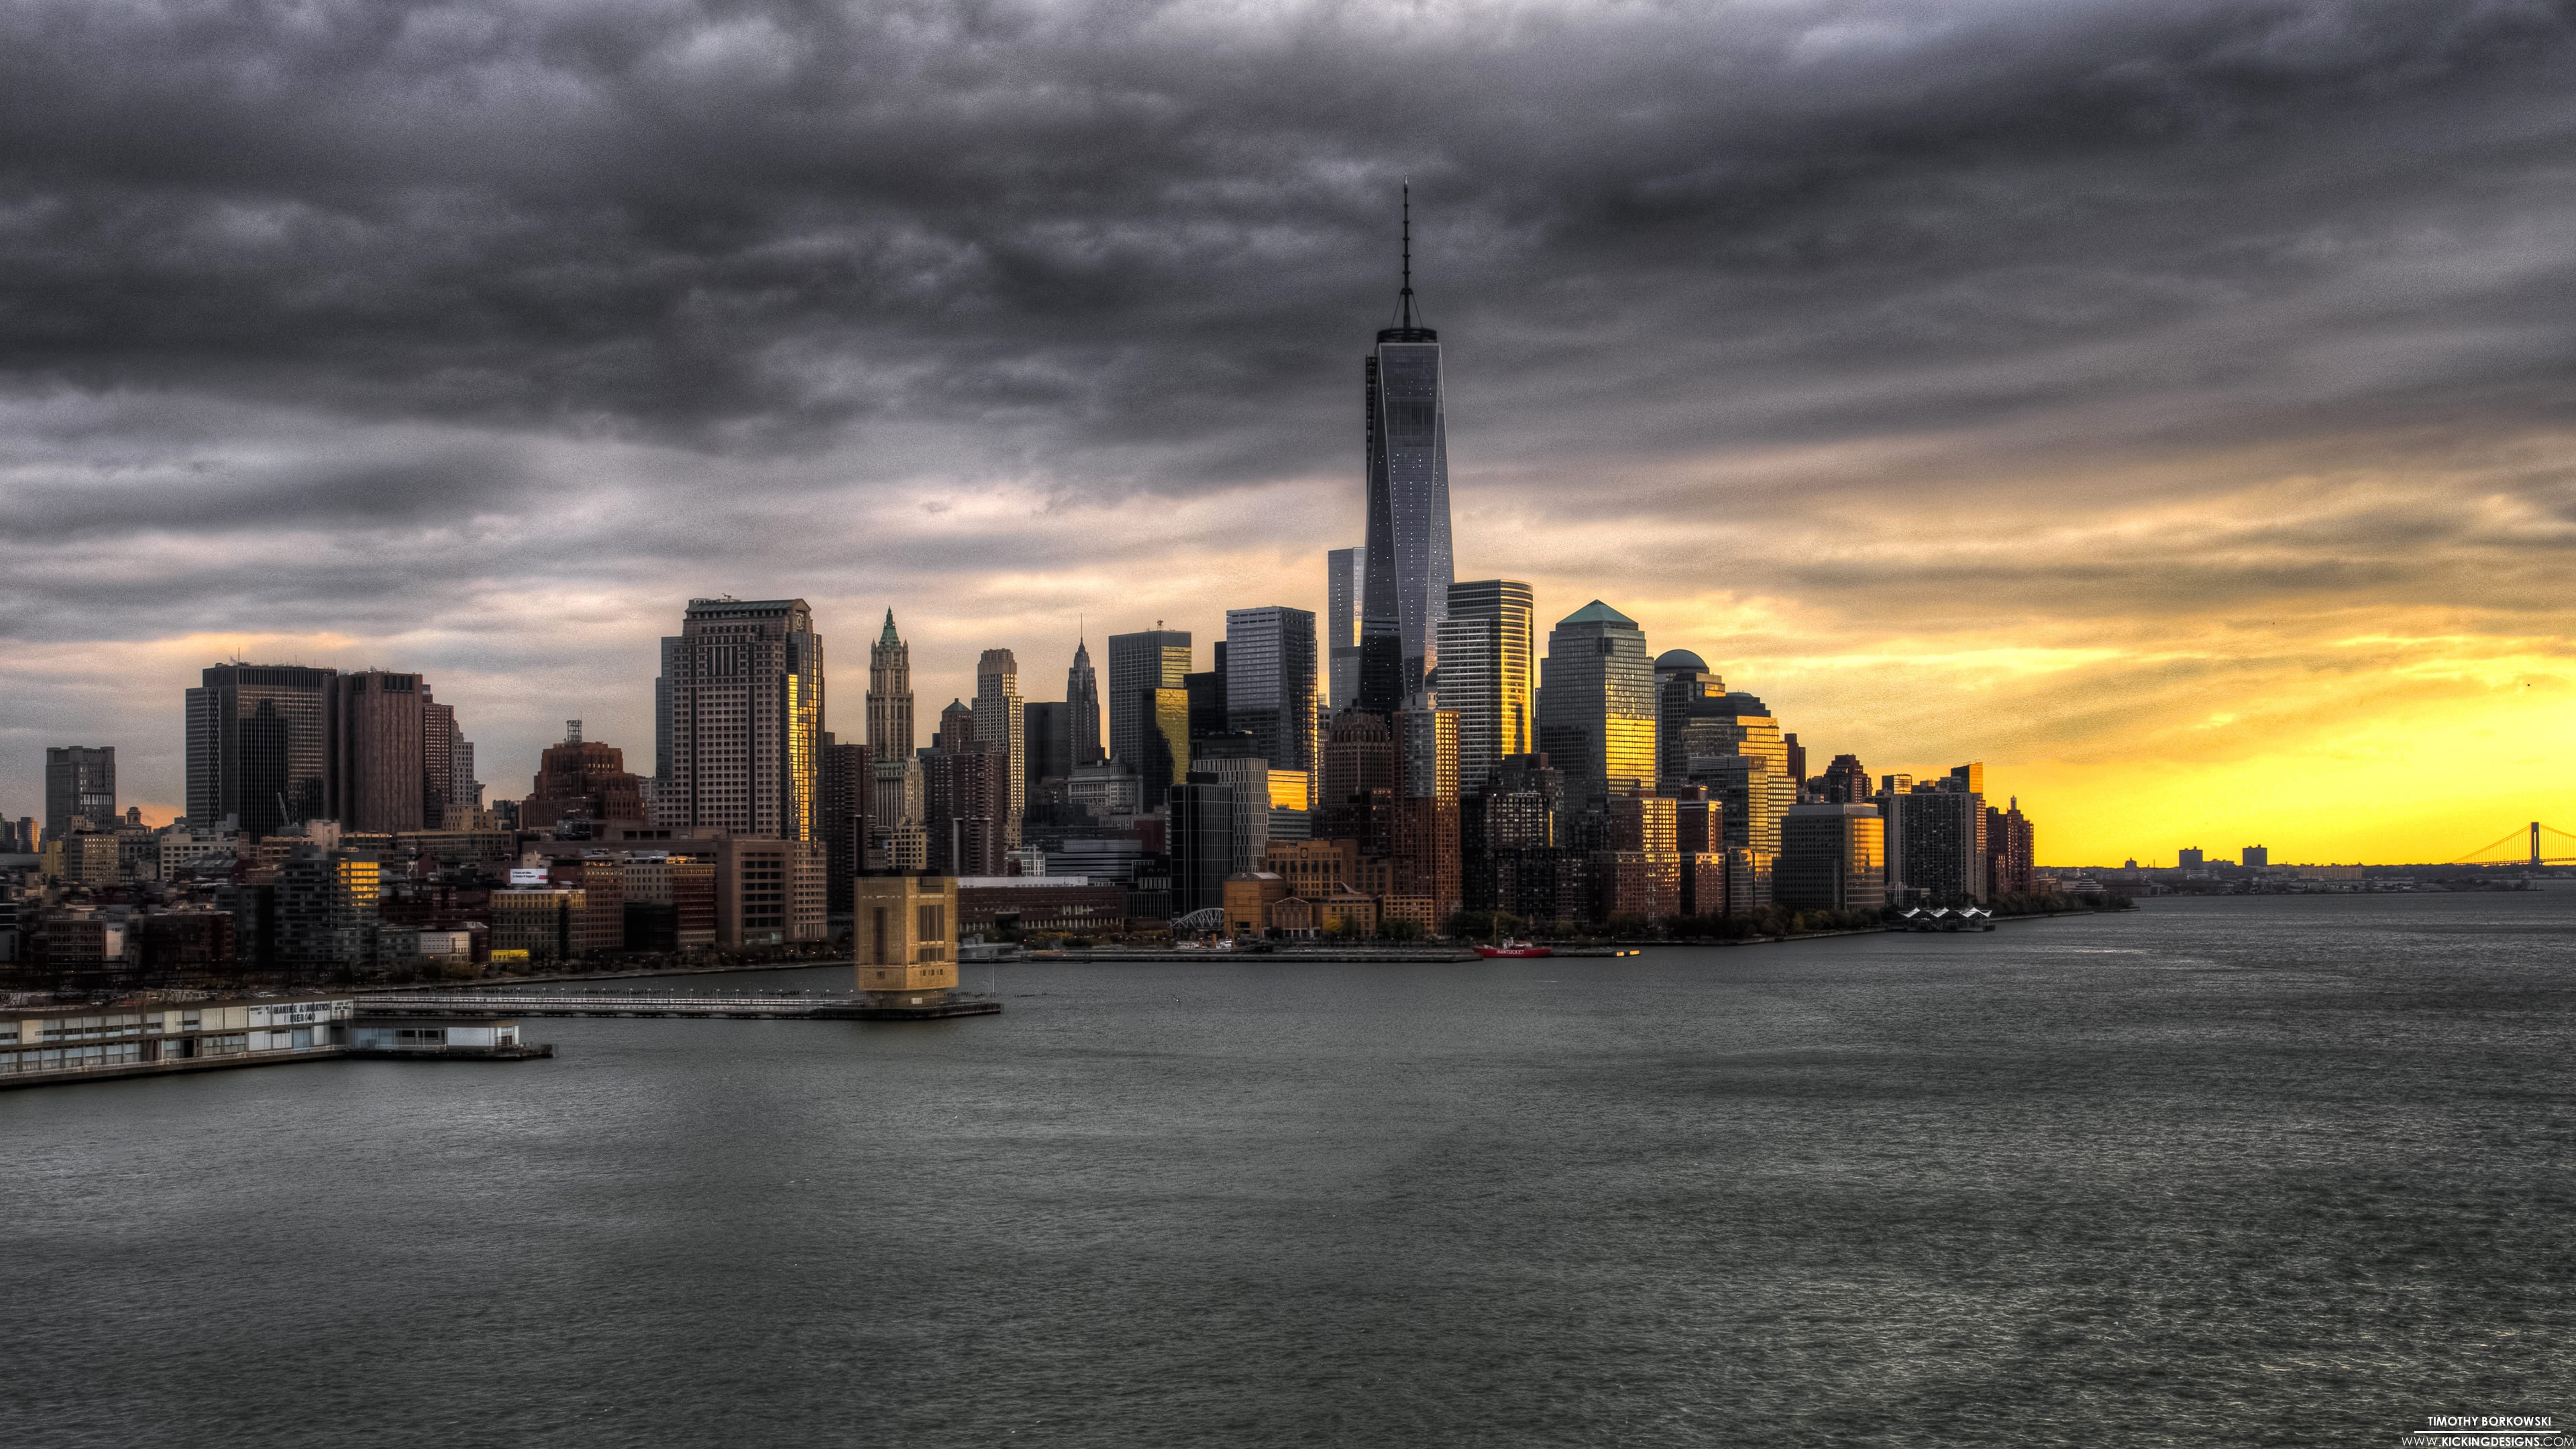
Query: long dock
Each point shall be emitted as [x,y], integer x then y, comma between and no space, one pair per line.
[491,1005]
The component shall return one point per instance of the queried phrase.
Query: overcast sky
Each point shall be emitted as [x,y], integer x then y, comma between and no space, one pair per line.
[2168,403]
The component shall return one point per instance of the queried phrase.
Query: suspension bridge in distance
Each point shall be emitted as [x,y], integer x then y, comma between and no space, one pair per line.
[2535,830]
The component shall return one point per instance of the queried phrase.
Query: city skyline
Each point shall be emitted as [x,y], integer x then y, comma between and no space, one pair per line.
[2199,499]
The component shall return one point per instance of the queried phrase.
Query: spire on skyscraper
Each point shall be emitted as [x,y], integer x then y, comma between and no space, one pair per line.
[889,637]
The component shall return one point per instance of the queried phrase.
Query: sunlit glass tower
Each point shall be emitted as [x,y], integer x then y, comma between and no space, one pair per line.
[1407,570]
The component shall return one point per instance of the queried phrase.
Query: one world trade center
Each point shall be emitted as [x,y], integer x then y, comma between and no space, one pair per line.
[1406,587]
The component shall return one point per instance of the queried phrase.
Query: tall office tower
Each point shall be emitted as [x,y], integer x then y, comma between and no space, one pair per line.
[662,713]
[1486,645]
[581,781]
[1426,809]
[746,719]
[1405,586]
[1082,708]
[1797,760]
[80,780]
[1345,576]
[889,696]
[849,779]
[1832,857]
[1140,663]
[1201,838]
[1846,783]
[1047,728]
[1683,684]
[1206,690]
[259,746]
[1730,743]
[1970,778]
[1596,706]
[956,727]
[1270,682]
[999,723]
[377,759]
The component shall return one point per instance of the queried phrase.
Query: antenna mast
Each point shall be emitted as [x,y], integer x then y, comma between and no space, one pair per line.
[1407,294]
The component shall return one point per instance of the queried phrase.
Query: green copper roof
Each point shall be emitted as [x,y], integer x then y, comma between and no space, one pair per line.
[888,637]
[1598,612]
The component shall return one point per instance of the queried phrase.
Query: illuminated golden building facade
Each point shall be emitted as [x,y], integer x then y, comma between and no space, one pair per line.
[742,696]
[903,936]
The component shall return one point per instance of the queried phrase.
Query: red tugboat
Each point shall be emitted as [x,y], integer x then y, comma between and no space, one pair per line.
[1514,950]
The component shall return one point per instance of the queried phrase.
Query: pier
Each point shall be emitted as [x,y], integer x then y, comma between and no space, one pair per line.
[485,1005]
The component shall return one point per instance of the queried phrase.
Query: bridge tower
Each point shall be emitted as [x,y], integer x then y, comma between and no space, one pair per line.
[2535,845]
[904,935]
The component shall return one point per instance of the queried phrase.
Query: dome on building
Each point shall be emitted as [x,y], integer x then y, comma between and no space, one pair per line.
[1672,660]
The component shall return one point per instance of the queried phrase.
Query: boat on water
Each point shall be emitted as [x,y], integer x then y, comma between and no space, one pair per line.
[1514,950]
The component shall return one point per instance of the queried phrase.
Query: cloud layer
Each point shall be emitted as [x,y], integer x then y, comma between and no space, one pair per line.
[2126,394]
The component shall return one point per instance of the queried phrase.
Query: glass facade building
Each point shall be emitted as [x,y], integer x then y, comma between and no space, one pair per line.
[1406,574]
[1596,706]
[259,746]
[1345,583]
[1486,646]
[1140,666]
[1270,682]
[80,780]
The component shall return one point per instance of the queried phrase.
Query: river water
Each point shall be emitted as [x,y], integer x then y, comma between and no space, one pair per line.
[2270,1171]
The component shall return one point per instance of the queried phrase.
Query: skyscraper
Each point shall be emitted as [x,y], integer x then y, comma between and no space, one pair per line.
[379,758]
[745,687]
[889,695]
[1345,576]
[1140,664]
[1405,585]
[1270,682]
[1729,742]
[1596,708]
[80,780]
[1426,844]
[999,723]
[259,746]
[1082,708]
[1486,645]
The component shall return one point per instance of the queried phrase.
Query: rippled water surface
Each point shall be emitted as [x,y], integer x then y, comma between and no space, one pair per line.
[2272,1171]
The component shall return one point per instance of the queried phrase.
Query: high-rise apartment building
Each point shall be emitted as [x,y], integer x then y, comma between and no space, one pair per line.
[1405,586]
[379,764]
[80,781]
[259,746]
[1937,854]
[1270,682]
[889,695]
[1596,706]
[1000,725]
[1345,584]
[745,719]
[1082,709]
[1832,857]
[1487,645]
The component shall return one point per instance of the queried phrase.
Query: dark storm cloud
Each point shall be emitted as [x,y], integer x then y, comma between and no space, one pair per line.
[1134,239]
